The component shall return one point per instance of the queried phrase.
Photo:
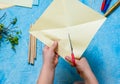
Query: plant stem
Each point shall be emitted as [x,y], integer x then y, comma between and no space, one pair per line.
[3,16]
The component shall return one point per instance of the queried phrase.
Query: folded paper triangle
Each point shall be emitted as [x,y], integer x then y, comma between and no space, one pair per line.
[67,16]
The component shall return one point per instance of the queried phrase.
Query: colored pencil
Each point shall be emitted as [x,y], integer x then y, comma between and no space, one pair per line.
[106,5]
[115,6]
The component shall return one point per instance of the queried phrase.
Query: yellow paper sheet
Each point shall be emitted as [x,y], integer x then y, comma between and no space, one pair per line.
[2,6]
[25,3]
[68,16]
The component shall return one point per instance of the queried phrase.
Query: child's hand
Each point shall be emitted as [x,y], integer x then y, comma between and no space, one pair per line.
[49,56]
[82,65]
[50,59]
[84,70]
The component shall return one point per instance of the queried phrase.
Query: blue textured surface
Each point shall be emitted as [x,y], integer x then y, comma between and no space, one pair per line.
[103,53]
[35,2]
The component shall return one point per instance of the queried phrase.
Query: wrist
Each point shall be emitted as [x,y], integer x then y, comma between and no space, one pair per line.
[88,74]
[90,77]
[85,74]
[46,75]
[48,67]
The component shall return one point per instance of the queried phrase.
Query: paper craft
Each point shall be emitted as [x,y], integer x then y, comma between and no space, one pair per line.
[2,5]
[25,3]
[67,16]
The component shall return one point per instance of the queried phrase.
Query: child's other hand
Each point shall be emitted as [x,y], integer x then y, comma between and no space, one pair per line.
[49,56]
[84,70]
[82,66]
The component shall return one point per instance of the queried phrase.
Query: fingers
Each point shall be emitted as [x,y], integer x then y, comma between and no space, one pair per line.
[57,55]
[81,60]
[68,59]
[54,46]
[45,48]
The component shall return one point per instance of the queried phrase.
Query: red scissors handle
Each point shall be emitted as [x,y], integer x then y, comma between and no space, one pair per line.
[73,59]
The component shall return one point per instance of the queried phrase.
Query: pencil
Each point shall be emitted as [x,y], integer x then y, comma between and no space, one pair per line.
[34,47]
[112,8]
[106,5]
[29,52]
[103,5]
[32,50]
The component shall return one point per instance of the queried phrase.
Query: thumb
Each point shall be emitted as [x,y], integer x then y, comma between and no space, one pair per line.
[54,46]
[68,58]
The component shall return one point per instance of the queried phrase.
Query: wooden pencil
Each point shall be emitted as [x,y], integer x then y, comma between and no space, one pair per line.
[29,49]
[112,8]
[32,51]
[35,47]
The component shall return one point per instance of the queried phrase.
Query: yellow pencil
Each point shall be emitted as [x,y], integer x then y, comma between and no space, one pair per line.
[112,8]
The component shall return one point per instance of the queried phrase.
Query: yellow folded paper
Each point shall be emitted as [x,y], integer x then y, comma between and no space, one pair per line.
[25,3]
[67,16]
[2,5]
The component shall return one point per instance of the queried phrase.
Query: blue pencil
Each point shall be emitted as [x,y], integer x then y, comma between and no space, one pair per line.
[115,6]
[106,5]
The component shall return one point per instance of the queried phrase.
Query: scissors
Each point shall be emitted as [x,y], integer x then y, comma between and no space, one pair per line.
[72,53]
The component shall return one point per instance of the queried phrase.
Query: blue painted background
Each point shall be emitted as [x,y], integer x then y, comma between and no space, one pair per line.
[103,53]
